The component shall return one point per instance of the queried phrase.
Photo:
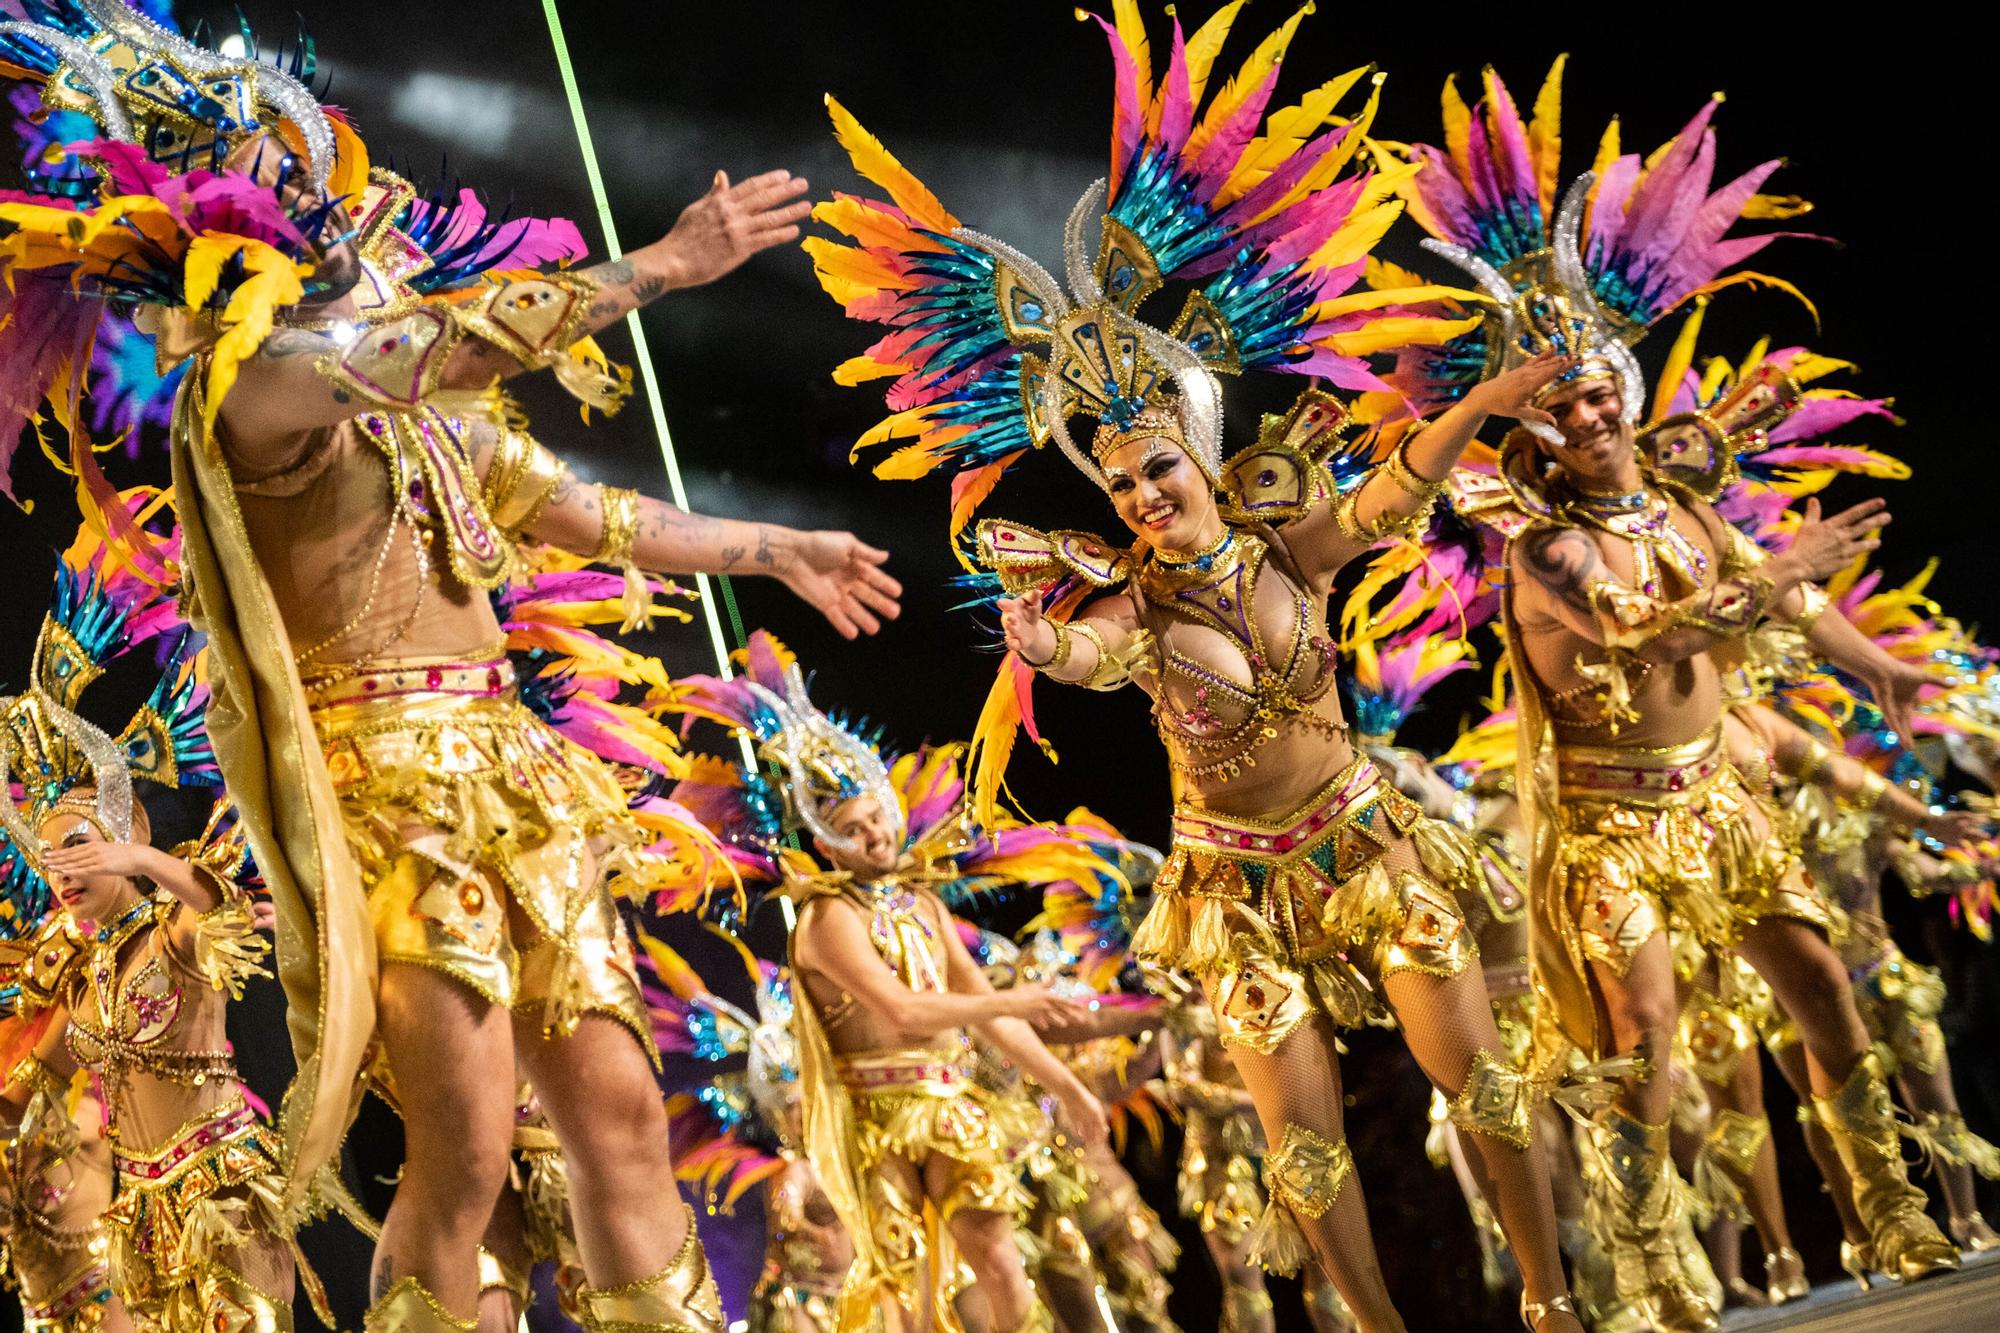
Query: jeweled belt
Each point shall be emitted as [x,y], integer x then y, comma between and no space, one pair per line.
[159,1165]
[937,1075]
[1610,773]
[367,682]
[1349,791]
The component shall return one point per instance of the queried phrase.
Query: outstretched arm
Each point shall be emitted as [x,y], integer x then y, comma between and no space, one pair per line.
[47,1069]
[283,391]
[1400,491]
[836,573]
[1799,756]
[834,942]
[1581,590]
[1018,1042]
[1098,648]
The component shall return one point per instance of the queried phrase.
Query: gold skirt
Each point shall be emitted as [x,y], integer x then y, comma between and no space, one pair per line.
[487,842]
[212,1189]
[917,1105]
[1653,840]
[1307,913]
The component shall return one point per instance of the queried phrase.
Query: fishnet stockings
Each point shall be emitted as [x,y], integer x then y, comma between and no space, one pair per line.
[1791,1061]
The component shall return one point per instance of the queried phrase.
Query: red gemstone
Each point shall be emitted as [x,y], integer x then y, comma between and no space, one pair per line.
[1242,840]
[493,678]
[434,677]
[1283,842]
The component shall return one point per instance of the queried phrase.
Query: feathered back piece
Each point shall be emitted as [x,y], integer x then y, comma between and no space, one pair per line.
[991,355]
[1586,274]
[208,185]
[1392,675]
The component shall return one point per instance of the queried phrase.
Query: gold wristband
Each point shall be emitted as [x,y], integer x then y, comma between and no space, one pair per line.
[1814,765]
[1873,788]
[1064,642]
[621,526]
[34,1074]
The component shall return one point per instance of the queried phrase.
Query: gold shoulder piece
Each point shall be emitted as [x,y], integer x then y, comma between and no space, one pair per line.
[1025,557]
[37,969]
[1696,452]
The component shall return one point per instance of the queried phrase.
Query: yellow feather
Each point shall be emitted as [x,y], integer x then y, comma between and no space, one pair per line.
[871,226]
[1749,279]
[857,369]
[908,463]
[1286,131]
[1679,358]
[1205,46]
[992,746]
[1386,276]
[1758,351]
[878,164]
[1364,299]
[1714,375]
[1607,153]
[1458,132]
[1356,237]
[849,274]
[1809,366]
[274,282]
[1545,137]
[1397,331]
[1776,207]
[1246,81]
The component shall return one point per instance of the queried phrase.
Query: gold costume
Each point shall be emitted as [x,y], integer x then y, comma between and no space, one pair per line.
[1308,913]
[878,1122]
[55,1181]
[1653,839]
[487,842]
[805,1260]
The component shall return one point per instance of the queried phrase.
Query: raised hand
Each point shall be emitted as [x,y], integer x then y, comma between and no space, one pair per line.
[1895,688]
[1025,630]
[1512,393]
[82,859]
[1823,547]
[730,223]
[842,577]
[1086,1118]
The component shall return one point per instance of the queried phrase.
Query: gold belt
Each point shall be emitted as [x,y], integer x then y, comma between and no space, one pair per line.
[930,1073]
[1350,791]
[1638,775]
[367,682]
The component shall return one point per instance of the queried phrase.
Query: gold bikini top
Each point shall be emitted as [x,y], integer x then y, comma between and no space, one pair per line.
[1212,720]
[135,1015]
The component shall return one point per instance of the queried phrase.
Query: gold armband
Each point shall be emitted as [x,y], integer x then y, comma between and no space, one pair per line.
[1813,767]
[621,526]
[1386,524]
[1497,1101]
[520,481]
[33,1073]
[1413,483]
[1064,642]
[1814,604]
[1112,670]
[1873,789]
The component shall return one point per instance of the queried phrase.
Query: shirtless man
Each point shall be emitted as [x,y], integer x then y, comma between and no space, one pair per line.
[1619,594]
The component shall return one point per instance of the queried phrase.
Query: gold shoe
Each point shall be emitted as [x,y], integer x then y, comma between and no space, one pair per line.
[1635,1206]
[1534,1312]
[1792,1288]
[1859,1261]
[1862,1124]
[680,1298]
[1972,1233]
[409,1307]
[1742,1295]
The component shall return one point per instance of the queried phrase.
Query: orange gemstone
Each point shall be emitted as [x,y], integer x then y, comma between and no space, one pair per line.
[471,897]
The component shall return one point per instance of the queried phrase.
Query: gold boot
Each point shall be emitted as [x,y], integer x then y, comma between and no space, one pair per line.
[680,1298]
[409,1307]
[1862,1123]
[1636,1207]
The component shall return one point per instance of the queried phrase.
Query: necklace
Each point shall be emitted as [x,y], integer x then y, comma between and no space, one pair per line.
[1644,518]
[113,936]
[1202,560]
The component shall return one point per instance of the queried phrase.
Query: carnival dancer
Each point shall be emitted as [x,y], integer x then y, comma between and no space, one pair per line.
[56,1178]
[921,1163]
[1621,582]
[1304,891]
[131,978]
[441,863]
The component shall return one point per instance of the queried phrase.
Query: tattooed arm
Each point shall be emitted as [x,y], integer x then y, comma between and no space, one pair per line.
[836,573]
[281,391]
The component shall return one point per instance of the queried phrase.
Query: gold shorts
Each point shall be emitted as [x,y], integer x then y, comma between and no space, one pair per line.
[1308,913]
[1220,1187]
[917,1108]
[1659,840]
[488,843]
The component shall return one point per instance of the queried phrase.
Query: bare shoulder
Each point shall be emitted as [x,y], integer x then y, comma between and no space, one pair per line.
[1115,607]
[1556,557]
